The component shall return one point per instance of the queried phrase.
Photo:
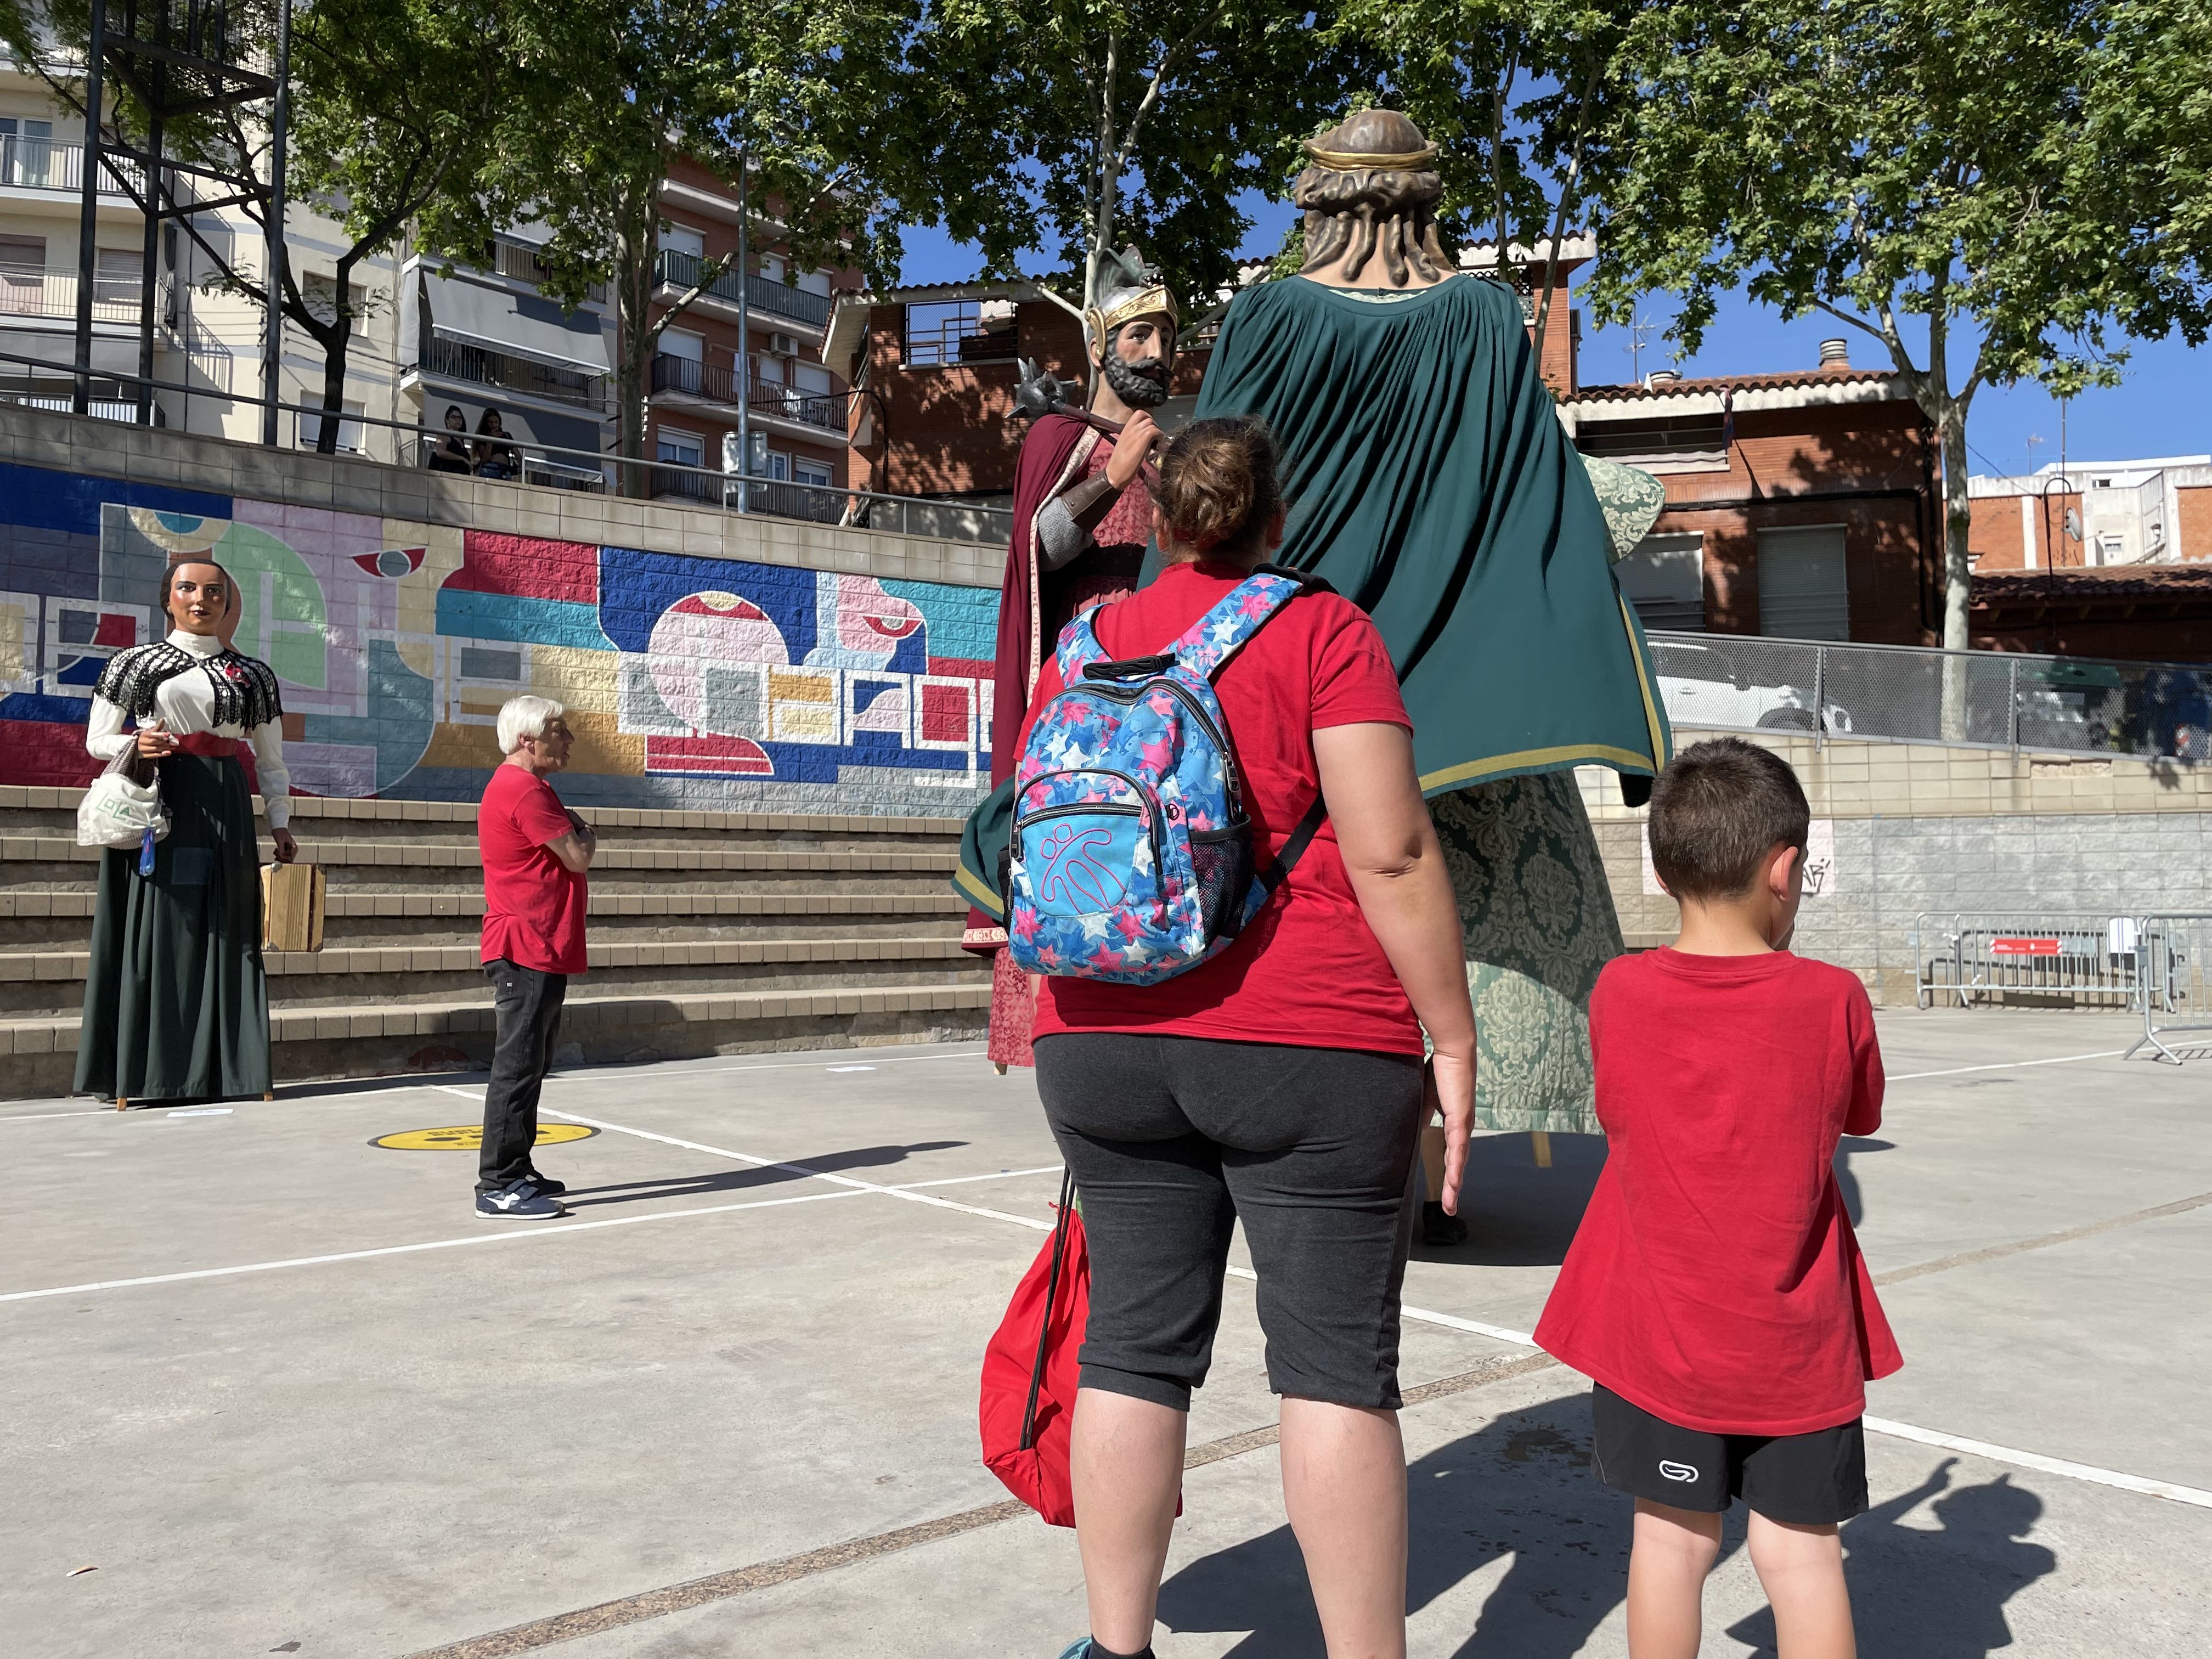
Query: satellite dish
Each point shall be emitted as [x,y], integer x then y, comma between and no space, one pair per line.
[2073,525]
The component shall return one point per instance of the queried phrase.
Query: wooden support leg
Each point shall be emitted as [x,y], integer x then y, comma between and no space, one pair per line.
[999,1067]
[1539,1143]
[120,1102]
[269,1094]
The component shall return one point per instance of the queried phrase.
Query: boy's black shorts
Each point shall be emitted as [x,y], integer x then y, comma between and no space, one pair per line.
[1807,1479]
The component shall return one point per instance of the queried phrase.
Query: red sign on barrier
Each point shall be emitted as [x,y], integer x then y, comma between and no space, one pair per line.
[2023,947]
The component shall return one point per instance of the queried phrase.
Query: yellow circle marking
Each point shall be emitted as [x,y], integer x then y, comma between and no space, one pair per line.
[469,1138]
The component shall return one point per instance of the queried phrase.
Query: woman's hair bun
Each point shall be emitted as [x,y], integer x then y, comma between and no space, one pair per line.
[1219,489]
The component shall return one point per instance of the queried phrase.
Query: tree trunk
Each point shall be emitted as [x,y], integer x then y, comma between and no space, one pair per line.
[634,365]
[1958,572]
[336,344]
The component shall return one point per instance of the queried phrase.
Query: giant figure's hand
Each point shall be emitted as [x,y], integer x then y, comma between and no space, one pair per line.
[1132,449]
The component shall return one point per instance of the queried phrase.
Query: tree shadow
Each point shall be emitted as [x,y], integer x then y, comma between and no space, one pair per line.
[1519,1489]
[733,1181]
[1935,1594]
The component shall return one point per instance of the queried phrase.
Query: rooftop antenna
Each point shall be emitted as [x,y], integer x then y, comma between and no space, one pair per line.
[1637,328]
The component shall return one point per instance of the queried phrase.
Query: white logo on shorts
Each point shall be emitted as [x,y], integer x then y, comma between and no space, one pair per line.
[1677,1471]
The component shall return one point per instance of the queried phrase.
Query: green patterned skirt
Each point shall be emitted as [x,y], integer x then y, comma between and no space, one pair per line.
[175,1003]
[1540,924]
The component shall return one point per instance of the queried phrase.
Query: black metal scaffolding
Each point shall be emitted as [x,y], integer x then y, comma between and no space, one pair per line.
[177,59]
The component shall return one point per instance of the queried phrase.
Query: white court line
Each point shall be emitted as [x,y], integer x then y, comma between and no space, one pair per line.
[550,1231]
[2027,1460]
[2007,1066]
[35,1117]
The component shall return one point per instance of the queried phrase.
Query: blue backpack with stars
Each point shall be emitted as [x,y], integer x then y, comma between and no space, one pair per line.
[1130,856]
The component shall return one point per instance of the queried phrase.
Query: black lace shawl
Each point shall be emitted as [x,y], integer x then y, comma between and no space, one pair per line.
[245,693]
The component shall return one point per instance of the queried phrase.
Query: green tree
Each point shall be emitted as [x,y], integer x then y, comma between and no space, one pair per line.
[1072,126]
[1992,192]
[784,96]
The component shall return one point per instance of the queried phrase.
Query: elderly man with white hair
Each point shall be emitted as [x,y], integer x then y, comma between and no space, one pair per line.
[535,853]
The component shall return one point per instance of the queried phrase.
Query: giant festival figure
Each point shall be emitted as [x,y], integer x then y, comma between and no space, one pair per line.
[1083,516]
[1430,481]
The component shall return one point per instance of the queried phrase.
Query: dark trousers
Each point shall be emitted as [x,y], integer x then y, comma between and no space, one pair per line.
[529,1005]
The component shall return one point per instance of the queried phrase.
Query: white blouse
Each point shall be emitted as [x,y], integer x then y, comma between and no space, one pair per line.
[185,704]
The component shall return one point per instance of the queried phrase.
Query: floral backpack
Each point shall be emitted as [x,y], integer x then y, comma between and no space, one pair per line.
[1130,856]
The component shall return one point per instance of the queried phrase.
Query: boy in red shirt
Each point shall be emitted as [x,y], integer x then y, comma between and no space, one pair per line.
[1715,1292]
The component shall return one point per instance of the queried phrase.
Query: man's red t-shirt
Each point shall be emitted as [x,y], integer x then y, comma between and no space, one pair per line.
[1308,971]
[533,904]
[1716,1281]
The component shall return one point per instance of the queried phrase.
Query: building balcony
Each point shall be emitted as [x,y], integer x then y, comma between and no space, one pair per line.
[54,164]
[49,292]
[677,270]
[772,498]
[448,360]
[682,380]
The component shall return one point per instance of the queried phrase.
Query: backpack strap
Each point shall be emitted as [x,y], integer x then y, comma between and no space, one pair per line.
[1265,884]
[1078,647]
[1207,645]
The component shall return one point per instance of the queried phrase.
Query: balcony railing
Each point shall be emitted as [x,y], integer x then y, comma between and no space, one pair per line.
[454,362]
[46,291]
[679,270]
[771,497]
[31,163]
[717,383]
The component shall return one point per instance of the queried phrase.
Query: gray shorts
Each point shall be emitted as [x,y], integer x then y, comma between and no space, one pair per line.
[1172,1140]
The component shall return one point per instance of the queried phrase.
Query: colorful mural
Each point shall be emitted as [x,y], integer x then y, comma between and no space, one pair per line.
[396,642]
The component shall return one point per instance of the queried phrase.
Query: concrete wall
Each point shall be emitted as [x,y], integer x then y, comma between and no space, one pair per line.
[709,661]
[1921,828]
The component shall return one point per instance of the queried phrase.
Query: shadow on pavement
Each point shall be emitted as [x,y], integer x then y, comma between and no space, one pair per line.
[1518,1215]
[1521,1491]
[733,1181]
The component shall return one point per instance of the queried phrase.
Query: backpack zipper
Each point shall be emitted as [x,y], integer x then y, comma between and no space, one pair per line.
[1106,689]
[1152,817]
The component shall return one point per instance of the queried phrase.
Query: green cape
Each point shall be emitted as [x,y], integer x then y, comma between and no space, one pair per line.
[1430,481]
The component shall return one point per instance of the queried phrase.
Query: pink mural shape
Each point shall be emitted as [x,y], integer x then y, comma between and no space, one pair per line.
[861,624]
[702,633]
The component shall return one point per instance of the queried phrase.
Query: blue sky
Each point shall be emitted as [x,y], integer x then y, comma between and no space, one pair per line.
[2163,407]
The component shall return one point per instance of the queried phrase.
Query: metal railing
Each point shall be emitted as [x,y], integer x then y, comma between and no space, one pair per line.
[1974,699]
[514,460]
[678,269]
[717,383]
[482,367]
[51,291]
[2175,950]
[940,333]
[36,163]
[2083,957]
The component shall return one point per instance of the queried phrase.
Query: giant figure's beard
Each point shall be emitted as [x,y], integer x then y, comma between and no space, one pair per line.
[1141,384]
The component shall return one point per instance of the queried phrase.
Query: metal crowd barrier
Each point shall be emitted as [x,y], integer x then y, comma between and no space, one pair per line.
[2176,996]
[2083,956]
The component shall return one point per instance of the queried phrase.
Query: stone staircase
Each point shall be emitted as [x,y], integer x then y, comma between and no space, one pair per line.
[711,932]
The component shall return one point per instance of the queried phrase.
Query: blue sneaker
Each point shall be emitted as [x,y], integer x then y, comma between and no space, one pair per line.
[1076,1649]
[519,1200]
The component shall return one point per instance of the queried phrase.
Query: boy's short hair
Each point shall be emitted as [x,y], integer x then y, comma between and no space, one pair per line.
[1716,811]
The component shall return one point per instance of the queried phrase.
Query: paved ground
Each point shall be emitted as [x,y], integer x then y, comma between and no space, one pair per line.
[285,1394]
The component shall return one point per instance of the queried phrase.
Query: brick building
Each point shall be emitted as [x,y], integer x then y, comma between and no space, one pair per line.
[2095,514]
[933,370]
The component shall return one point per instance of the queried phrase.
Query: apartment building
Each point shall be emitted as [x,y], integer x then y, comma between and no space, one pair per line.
[2091,514]
[206,337]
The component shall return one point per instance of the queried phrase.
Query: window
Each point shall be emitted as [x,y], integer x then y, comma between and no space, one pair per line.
[773,266]
[117,277]
[680,448]
[815,281]
[679,342]
[320,290]
[1803,590]
[779,465]
[348,442]
[811,377]
[1665,579]
[682,239]
[942,331]
[811,472]
[23,274]
[25,151]
[1688,443]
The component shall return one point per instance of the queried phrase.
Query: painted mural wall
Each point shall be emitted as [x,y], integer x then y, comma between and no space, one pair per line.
[702,684]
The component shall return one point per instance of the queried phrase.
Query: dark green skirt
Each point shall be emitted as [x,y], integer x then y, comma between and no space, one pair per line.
[175,1003]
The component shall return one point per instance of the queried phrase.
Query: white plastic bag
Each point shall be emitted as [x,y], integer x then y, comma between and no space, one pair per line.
[116,811]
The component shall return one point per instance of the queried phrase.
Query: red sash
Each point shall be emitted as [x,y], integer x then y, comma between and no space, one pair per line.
[208,746]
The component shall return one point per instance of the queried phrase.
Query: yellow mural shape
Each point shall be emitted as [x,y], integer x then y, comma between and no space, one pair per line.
[469,1138]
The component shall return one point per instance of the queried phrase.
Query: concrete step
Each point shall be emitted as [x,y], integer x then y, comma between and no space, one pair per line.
[52,981]
[30,918]
[53,812]
[363,1040]
[51,863]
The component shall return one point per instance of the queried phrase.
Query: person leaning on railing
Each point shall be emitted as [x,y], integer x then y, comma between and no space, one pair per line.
[451,453]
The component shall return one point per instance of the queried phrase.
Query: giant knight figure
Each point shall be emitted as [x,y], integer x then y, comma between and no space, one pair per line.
[1430,481]
[1083,515]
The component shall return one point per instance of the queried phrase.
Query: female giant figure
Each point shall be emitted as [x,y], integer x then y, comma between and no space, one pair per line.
[175,1003]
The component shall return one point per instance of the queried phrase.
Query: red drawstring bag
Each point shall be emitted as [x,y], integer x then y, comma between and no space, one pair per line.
[1030,1371]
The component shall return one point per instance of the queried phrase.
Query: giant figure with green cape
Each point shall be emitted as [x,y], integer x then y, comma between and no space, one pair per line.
[1431,481]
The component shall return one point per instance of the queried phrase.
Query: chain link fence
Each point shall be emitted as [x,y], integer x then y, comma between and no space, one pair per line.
[1981,699]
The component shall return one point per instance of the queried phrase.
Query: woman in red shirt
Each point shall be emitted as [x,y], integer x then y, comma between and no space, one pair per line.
[1279,1083]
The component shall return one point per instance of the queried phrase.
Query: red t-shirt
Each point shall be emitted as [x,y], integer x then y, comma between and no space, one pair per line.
[533,904]
[1716,1281]
[1308,971]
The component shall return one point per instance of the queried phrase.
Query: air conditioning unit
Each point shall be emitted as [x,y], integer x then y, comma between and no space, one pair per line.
[785,345]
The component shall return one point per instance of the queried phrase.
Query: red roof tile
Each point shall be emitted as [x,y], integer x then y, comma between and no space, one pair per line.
[1808,377]
[2125,582]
